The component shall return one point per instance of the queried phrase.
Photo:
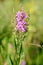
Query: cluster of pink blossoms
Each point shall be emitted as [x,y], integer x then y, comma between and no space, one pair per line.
[21,24]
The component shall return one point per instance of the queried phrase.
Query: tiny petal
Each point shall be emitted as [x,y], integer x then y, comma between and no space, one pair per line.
[23,62]
[23,29]
[24,15]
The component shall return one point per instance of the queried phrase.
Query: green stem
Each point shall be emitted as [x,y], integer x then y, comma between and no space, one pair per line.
[18,48]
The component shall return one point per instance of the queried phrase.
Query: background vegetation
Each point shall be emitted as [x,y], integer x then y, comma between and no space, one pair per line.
[8,10]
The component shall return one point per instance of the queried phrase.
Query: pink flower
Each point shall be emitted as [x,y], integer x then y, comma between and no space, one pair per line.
[24,15]
[20,16]
[23,62]
[21,24]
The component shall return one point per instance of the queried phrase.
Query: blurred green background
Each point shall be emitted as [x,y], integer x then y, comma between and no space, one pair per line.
[8,10]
